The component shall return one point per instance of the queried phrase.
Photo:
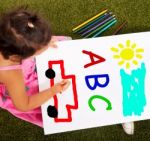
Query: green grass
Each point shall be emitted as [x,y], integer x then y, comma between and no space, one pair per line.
[63,15]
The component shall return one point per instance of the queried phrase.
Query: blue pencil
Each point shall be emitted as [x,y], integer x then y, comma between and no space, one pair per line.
[85,26]
[105,28]
[98,25]
[99,28]
[93,23]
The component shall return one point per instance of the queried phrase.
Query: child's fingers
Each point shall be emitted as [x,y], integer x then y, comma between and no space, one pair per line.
[53,44]
[64,84]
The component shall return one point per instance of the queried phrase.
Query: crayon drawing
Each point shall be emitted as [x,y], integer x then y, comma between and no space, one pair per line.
[127,54]
[110,80]
[133,84]
[57,104]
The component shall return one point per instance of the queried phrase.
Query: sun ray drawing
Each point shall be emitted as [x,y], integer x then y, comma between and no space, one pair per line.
[127,54]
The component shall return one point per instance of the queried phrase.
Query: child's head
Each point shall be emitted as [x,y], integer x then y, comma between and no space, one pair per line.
[22,33]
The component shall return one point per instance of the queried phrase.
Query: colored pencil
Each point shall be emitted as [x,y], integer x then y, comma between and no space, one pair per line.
[105,28]
[89,20]
[88,25]
[94,23]
[98,25]
[120,28]
[107,23]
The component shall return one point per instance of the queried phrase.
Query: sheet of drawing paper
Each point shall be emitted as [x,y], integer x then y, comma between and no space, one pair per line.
[110,82]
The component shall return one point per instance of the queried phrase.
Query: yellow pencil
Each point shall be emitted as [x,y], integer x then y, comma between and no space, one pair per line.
[89,20]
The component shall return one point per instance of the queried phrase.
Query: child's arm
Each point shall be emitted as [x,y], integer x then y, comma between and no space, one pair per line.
[15,85]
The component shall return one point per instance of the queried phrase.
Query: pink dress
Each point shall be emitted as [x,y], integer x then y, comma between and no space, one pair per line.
[28,67]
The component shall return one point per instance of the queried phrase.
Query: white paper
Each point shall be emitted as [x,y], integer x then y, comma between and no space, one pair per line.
[70,53]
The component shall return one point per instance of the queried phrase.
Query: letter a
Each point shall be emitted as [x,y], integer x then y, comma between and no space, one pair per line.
[92,56]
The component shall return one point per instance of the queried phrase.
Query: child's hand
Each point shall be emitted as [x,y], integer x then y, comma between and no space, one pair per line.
[53,42]
[54,39]
[60,87]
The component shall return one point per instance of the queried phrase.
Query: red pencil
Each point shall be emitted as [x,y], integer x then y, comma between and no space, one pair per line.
[119,28]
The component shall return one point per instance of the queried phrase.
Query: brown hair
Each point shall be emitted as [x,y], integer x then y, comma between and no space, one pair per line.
[22,33]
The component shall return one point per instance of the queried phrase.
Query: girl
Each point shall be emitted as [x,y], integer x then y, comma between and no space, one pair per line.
[23,35]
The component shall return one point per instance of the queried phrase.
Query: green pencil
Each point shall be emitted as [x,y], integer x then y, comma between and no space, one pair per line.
[105,28]
[101,27]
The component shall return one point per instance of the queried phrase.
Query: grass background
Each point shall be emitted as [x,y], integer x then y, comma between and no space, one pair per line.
[63,15]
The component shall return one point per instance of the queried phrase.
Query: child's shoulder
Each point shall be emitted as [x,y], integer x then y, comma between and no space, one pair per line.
[9,76]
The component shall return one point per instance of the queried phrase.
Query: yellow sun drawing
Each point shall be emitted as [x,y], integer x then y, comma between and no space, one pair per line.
[127,54]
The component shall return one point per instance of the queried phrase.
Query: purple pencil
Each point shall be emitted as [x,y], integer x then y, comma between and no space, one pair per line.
[101,23]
